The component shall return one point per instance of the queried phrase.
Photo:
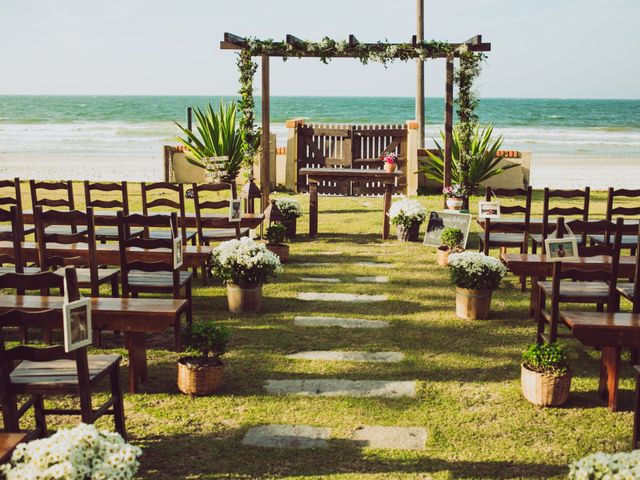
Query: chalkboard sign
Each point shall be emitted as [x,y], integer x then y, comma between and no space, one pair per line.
[438,221]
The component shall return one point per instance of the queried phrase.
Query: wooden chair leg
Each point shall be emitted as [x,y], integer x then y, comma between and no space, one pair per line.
[600,307]
[538,315]
[523,283]
[118,404]
[635,355]
[40,417]
[636,415]
[189,303]
[609,375]
[10,413]
[115,287]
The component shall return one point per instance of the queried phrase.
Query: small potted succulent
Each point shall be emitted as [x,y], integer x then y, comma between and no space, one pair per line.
[274,235]
[244,265]
[545,375]
[451,240]
[475,276]
[456,196]
[290,210]
[407,215]
[391,163]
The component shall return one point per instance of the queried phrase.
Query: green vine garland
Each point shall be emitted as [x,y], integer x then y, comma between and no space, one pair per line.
[380,52]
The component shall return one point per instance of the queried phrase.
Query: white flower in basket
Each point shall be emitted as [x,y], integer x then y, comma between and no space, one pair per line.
[407,212]
[244,262]
[606,466]
[289,208]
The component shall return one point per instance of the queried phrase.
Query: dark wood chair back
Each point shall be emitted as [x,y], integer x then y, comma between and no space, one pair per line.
[202,204]
[127,241]
[39,198]
[614,210]
[14,199]
[523,209]
[74,257]
[636,278]
[504,227]
[94,189]
[167,190]
[13,235]
[549,211]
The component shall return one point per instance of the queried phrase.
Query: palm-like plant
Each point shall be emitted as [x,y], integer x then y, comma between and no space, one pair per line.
[478,165]
[217,136]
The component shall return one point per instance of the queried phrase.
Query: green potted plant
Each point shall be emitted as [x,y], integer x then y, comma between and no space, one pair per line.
[274,235]
[244,265]
[545,375]
[451,240]
[290,210]
[407,215]
[202,372]
[475,276]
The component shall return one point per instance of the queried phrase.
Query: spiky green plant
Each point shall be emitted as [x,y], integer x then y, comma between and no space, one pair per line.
[217,136]
[483,159]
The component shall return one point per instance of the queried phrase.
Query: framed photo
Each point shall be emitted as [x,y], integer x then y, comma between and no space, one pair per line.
[235,209]
[77,324]
[488,209]
[177,252]
[560,249]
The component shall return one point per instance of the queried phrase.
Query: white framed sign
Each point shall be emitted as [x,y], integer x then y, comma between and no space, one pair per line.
[235,209]
[77,324]
[438,221]
[177,252]
[488,209]
[561,249]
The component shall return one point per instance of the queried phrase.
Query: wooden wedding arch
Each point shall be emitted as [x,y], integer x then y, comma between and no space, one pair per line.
[280,49]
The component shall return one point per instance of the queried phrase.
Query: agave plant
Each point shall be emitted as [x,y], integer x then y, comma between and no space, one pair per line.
[217,136]
[479,165]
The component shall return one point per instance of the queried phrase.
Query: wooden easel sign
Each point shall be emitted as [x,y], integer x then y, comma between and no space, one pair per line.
[438,221]
[77,324]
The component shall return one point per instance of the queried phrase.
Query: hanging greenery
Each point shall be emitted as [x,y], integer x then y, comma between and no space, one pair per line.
[249,134]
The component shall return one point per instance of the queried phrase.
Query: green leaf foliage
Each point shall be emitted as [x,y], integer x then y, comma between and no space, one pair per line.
[550,358]
[275,234]
[206,339]
[452,237]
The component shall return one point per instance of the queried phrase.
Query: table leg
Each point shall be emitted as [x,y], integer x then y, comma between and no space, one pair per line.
[388,191]
[609,374]
[636,416]
[135,343]
[534,294]
[313,209]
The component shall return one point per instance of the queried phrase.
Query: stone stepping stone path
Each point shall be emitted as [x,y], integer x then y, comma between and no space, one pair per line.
[328,254]
[339,356]
[338,322]
[374,279]
[320,279]
[341,297]
[315,264]
[287,436]
[341,388]
[398,438]
[374,264]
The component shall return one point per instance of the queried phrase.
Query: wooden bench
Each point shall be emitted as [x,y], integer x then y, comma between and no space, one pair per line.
[135,317]
[8,443]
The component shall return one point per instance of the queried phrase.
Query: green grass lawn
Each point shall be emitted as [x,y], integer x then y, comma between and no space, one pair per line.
[469,400]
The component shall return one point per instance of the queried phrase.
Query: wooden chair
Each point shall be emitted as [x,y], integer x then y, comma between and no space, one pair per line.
[636,415]
[631,290]
[588,284]
[153,277]
[177,204]
[14,235]
[107,228]
[628,241]
[15,200]
[548,212]
[64,189]
[51,371]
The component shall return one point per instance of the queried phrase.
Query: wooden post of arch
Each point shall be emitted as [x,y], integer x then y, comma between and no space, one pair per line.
[448,123]
[265,181]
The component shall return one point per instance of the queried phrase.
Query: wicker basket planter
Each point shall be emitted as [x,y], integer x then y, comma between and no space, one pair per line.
[408,234]
[195,378]
[442,256]
[244,299]
[473,304]
[543,389]
[291,226]
[281,250]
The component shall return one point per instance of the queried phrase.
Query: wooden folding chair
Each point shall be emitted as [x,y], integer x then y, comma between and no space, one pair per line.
[13,234]
[15,200]
[177,204]
[107,228]
[505,234]
[63,190]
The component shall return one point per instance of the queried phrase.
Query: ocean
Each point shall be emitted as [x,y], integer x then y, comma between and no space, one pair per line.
[45,129]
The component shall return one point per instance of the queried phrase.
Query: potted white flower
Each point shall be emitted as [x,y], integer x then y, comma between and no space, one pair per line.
[407,215]
[475,276]
[601,466]
[456,196]
[290,210]
[77,453]
[244,265]
[545,376]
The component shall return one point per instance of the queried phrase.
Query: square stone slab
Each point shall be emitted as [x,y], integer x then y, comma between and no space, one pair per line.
[315,264]
[341,297]
[374,264]
[341,388]
[339,322]
[374,279]
[398,438]
[287,436]
[320,279]
[341,356]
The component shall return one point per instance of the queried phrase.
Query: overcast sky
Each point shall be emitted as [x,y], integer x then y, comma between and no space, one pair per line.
[542,48]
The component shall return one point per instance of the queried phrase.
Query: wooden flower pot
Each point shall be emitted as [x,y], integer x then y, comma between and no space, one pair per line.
[408,234]
[244,299]
[455,203]
[544,389]
[281,250]
[199,379]
[291,226]
[473,304]
[390,167]
[442,256]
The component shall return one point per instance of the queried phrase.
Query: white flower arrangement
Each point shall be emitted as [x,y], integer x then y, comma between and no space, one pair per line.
[79,453]
[289,208]
[244,262]
[616,466]
[475,271]
[407,212]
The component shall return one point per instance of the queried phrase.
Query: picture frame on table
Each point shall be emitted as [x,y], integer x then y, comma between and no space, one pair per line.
[235,210]
[561,249]
[488,209]
[77,324]
[176,249]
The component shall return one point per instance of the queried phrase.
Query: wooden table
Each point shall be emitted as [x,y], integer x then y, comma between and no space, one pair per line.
[610,332]
[537,266]
[316,175]
[194,256]
[133,316]
[535,224]
[8,443]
